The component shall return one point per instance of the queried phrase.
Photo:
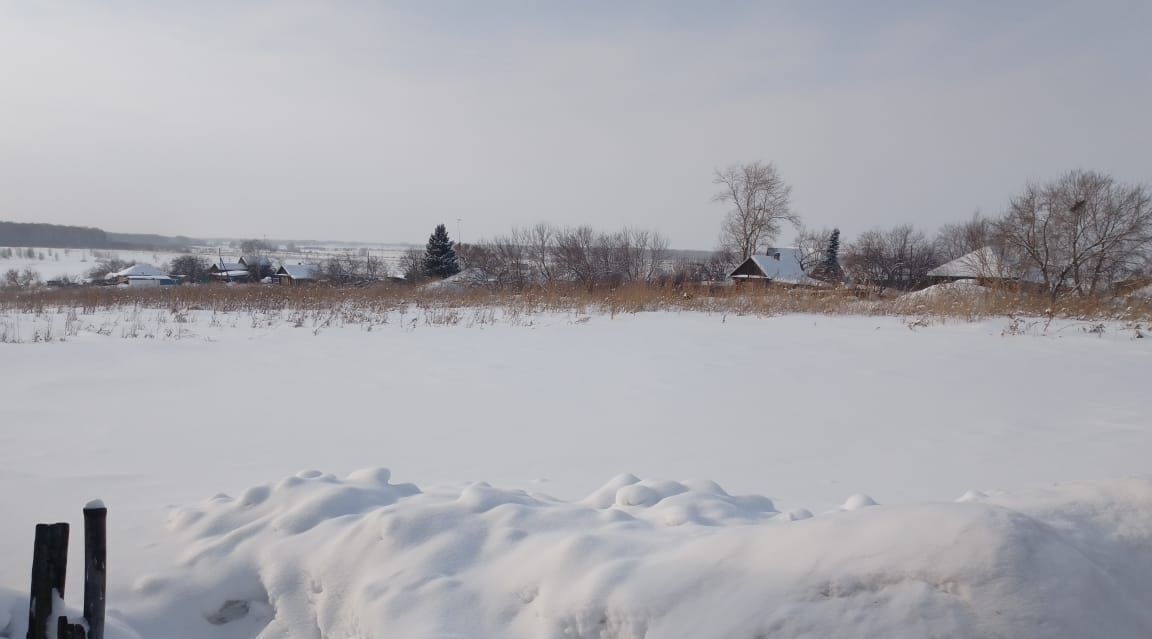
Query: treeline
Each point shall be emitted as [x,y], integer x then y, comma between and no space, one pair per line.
[51,235]
[543,254]
[62,236]
[150,242]
[1079,234]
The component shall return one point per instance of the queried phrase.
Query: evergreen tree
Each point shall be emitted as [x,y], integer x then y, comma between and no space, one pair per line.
[830,267]
[439,256]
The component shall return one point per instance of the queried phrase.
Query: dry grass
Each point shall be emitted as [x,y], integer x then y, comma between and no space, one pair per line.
[385,299]
[198,312]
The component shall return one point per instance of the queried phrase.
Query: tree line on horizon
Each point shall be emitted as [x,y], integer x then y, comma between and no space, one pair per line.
[36,234]
[1075,234]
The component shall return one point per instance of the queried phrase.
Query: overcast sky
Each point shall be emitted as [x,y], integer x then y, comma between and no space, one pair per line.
[373,121]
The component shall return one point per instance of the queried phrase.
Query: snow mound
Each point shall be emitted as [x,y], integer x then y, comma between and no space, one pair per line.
[967,295]
[965,289]
[313,555]
[467,279]
[14,618]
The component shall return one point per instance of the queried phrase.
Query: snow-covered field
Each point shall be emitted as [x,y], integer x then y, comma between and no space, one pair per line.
[56,263]
[509,512]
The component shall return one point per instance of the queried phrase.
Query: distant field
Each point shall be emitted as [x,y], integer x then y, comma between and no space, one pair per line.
[55,263]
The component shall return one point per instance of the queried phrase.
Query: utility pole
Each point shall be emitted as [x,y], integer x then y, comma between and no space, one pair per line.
[459,233]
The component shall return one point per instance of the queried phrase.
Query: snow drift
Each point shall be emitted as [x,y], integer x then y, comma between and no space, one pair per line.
[316,556]
[958,291]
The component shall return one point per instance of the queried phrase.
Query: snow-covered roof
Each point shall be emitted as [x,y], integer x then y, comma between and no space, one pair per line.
[299,271]
[778,265]
[983,263]
[220,267]
[232,273]
[252,260]
[139,270]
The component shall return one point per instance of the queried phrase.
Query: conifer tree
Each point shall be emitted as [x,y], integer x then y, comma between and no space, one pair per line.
[830,267]
[439,255]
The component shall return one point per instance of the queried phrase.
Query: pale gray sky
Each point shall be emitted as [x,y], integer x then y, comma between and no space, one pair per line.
[374,121]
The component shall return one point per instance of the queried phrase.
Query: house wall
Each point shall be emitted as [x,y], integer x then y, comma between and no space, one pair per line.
[748,268]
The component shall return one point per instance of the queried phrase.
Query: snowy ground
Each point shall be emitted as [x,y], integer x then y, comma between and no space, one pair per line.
[55,263]
[807,414]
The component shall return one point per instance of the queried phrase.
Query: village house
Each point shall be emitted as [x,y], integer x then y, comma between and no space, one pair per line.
[261,266]
[139,276]
[983,265]
[296,274]
[775,266]
[228,271]
[250,261]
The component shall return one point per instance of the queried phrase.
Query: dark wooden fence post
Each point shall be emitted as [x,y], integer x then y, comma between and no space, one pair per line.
[49,566]
[65,630]
[95,566]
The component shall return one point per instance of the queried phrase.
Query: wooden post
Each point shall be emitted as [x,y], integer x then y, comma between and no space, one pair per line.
[49,565]
[65,630]
[95,566]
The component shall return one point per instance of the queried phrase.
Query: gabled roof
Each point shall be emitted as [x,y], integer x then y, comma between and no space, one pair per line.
[779,265]
[139,270]
[222,267]
[299,271]
[255,260]
[981,263]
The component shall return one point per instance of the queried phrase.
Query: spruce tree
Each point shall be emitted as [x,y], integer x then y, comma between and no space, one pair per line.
[439,256]
[830,267]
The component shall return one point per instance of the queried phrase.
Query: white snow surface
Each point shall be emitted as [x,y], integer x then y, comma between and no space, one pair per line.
[317,556]
[75,263]
[960,289]
[313,555]
[982,262]
[844,443]
[468,278]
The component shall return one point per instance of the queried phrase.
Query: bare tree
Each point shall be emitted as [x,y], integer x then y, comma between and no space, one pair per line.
[106,266]
[954,241]
[412,265]
[811,246]
[354,268]
[899,257]
[376,268]
[255,247]
[27,278]
[574,254]
[193,268]
[507,260]
[540,244]
[1079,233]
[761,205]
[541,255]
[656,257]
